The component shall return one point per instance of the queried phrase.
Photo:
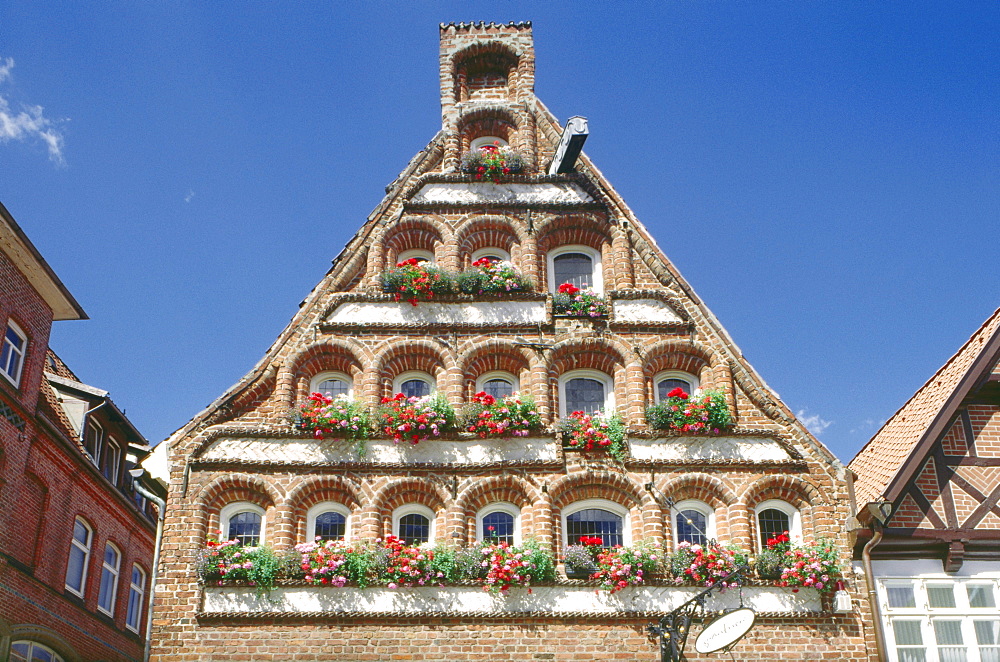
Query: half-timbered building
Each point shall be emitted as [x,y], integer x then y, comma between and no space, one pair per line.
[927,487]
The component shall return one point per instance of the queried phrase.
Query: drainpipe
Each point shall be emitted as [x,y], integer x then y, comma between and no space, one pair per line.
[161,507]
[866,557]
[83,424]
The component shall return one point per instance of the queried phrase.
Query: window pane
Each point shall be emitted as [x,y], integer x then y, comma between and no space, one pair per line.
[415,388]
[573,268]
[331,526]
[111,556]
[987,632]
[39,654]
[75,567]
[981,596]
[907,633]
[134,608]
[498,388]
[19,651]
[941,597]
[499,526]
[948,635]
[584,394]
[692,526]
[901,597]
[773,523]
[105,599]
[414,528]
[331,388]
[81,534]
[667,385]
[911,655]
[245,527]
[595,522]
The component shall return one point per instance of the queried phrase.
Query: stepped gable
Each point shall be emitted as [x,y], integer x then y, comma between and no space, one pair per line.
[244,456]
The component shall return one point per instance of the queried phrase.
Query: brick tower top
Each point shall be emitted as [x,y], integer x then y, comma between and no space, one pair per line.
[485,63]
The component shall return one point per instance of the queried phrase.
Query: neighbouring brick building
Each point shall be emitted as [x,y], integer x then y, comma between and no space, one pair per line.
[76,543]
[242,460]
[932,474]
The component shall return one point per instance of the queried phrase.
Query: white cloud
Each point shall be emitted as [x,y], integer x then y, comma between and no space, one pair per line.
[814,423]
[28,123]
[190,194]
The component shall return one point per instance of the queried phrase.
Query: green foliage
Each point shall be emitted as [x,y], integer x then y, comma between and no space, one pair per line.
[491,277]
[415,281]
[595,432]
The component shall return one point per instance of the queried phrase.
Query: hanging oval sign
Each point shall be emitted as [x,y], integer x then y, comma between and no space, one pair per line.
[725,631]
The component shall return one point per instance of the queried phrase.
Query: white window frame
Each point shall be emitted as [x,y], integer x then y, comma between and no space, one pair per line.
[606,379]
[497,374]
[418,253]
[603,504]
[98,447]
[115,572]
[237,507]
[330,374]
[133,619]
[112,445]
[595,257]
[410,509]
[398,380]
[794,518]
[483,141]
[701,507]
[85,548]
[32,645]
[490,251]
[498,506]
[11,350]
[326,507]
[674,374]
[925,615]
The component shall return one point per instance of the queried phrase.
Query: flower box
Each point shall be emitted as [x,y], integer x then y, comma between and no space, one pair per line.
[705,412]
[492,277]
[415,419]
[594,433]
[493,162]
[415,281]
[510,416]
[572,301]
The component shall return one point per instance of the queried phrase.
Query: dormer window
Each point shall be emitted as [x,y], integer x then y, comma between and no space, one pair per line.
[12,352]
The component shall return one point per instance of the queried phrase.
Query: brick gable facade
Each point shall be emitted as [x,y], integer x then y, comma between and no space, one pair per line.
[244,447]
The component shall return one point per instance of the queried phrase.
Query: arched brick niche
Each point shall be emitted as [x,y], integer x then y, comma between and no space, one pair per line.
[485,71]
[412,234]
[331,356]
[495,355]
[479,232]
[414,355]
[315,490]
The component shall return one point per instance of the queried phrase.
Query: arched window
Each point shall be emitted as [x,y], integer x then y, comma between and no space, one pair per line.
[243,522]
[331,384]
[136,591]
[487,142]
[694,522]
[414,524]
[499,522]
[667,381]
[774,517]
[498,384]
[109,580]
[79,557]
[418,254]
[413,384]
[32,651]
[327,521]
[596,518]
[588,391]
[492,254]
[577,265]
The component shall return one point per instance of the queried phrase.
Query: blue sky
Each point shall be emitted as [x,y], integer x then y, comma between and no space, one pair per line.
[825,175]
